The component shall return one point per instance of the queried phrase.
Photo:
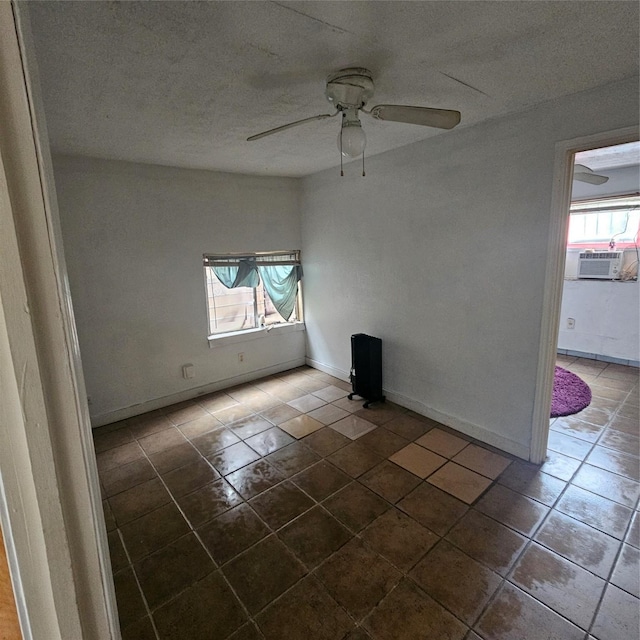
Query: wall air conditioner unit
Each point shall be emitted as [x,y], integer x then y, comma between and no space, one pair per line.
[603,265]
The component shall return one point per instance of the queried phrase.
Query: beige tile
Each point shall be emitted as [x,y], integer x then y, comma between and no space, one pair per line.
[330,393]
[351,406]
[306,403]
[482,461]
[462,483]
[418,460]
[301,426]
[328,414]
[353,427]
[442,442]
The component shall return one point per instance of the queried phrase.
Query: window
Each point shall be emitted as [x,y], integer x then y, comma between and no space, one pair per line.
[249,291]
[599,222]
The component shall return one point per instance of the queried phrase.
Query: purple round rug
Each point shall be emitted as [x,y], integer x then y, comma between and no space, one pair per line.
[570,393]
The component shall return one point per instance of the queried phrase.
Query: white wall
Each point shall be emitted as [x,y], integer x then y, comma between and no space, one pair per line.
[134,236]
[607,319]
[440,251]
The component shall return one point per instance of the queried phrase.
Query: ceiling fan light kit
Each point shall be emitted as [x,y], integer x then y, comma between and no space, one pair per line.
[349,90]
[351,139]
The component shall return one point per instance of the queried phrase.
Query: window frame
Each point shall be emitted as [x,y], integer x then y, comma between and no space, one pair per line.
[290,257]
[624,203]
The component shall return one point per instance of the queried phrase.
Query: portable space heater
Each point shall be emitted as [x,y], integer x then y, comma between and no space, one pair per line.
[602,265]
[366,368]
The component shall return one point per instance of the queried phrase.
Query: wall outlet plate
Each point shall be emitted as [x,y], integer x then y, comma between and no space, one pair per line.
[188,371]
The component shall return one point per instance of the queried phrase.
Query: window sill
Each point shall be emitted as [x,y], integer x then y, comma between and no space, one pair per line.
[254,334]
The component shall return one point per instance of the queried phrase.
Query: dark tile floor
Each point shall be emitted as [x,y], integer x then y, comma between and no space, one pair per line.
[282,510]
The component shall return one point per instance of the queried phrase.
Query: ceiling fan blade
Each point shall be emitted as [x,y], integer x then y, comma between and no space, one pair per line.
[425,116]
[584,174]
[322,116]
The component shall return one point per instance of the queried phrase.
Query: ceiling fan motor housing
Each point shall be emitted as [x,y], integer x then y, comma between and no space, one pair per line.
[349,88]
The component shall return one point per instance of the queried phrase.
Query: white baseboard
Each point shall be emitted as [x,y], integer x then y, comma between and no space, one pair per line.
[189,394]
[463,426]
[468,428]
[332,371]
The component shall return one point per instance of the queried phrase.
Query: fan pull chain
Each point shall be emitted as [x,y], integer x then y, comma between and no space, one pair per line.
[363,173]
[341,170]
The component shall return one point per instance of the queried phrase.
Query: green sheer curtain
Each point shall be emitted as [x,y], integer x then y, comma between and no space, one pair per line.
[281,283]
[246,275]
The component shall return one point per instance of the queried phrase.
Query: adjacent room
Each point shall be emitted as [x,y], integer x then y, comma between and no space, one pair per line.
[242,188]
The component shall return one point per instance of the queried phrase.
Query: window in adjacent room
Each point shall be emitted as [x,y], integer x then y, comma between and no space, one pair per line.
[596,223]
[248,291]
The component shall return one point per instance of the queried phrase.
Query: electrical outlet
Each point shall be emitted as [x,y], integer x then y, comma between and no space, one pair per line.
[241,357]
[571,323]
[188,372]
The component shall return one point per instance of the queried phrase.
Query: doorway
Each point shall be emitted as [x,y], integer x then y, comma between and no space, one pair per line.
[555,276]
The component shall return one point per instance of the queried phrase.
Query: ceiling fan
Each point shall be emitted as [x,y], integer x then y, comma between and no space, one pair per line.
[349,90]
[584,174]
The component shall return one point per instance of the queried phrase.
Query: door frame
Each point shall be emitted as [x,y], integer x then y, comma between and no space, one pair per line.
[554,276]
[50,501]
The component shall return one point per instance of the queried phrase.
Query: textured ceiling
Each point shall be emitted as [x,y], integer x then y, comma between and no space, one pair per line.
[185,83]
[616,157]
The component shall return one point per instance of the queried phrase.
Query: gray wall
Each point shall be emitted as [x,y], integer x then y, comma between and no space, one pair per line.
[441,251]
[134,236]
